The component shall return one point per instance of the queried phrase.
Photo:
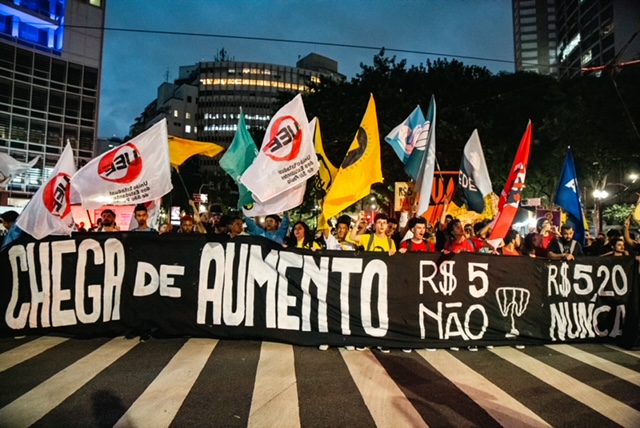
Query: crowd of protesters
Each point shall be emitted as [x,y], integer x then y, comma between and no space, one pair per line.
[448,235]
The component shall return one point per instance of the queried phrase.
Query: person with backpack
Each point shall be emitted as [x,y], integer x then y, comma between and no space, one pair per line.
[377,241]
[417,243]
[564,247]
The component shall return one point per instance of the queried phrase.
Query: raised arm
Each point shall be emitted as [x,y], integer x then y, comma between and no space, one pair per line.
[355,236]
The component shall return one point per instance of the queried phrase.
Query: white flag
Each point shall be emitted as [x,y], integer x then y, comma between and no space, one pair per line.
[424,182]
[287,157]
[49,211]
[283,202]
[135,172]
[9,167]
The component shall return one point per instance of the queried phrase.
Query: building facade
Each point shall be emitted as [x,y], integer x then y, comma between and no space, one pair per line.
[593,33]
[50,68]
[534,33]
[204,102]
[566,38]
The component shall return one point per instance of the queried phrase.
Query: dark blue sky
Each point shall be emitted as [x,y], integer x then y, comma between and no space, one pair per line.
[135,64]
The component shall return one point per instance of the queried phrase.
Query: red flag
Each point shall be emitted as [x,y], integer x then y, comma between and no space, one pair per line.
[512,193]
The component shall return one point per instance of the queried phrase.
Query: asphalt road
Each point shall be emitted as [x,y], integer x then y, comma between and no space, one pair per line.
[52,381]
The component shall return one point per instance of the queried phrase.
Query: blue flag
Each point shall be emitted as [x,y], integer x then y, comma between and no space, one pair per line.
[413,165]
[568,197]
[403,137]
[238,157]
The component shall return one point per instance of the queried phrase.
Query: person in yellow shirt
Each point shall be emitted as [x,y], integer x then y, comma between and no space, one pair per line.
[301,237]
[377,241]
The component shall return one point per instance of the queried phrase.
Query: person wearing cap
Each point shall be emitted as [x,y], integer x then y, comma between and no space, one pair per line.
[108,221]
[142,216]
[275,228]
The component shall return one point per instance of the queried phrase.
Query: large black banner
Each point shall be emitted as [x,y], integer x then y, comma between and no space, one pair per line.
[105,284]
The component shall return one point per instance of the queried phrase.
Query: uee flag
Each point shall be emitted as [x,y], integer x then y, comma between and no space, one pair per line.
[282,202]
[238,157]
[403,137]
[9,167]
[474,175]
[287,157]
[568,196]
[135,172]
[360,167]
[425,151]
[49,211]
[512,193]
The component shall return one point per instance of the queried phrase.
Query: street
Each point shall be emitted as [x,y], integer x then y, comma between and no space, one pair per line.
[54,381]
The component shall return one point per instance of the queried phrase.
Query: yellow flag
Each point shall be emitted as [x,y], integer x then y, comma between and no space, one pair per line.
[360,167]
[326,173]
[180,150]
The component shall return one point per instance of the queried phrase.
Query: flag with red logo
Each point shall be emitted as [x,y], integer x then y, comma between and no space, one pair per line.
[49,211]
[287,157]
[512,193]
[135,172]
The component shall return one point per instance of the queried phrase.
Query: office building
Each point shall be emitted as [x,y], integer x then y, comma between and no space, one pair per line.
[534,32]
[566,38]
[204,102]
[50,64]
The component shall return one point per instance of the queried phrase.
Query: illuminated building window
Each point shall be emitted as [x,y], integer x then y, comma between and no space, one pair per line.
[175,113]
[187,129]
[187,115]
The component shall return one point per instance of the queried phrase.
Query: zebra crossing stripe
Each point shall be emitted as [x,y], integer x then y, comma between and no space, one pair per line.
[159,403]
[598,362]
[385,400]
[275,395]
[28,350]
[635,354]
[36,403]
[601,403]
[500,405]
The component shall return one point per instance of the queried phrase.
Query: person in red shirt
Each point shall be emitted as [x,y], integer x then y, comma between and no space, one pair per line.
[417,243]
[511,244]
[548,232]
[458,242]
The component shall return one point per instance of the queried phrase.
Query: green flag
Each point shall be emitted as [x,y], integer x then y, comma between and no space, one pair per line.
[238,157]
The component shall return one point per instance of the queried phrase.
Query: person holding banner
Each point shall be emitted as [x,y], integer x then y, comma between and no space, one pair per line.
[565,247]
[377,241]
[142,216]
[340,241]
[458,242]
[108,221]
[301,237]
[417,243]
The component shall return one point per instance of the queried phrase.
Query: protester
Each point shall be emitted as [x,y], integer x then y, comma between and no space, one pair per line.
[417,243]
[341,239]
[441,227]
[565,247]
[530,244]
[275,228]
[548,232]
[165,228]
[236,227]
[457,242]
[393,232]
[108,221]
[142,216]
[377,241]
[617,248]
[8,219]
[301,237]
[511,244]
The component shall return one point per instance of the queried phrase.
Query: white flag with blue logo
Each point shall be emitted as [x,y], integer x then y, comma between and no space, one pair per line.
[403,137]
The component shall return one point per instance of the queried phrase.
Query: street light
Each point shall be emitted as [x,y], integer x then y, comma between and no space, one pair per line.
[598,196]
